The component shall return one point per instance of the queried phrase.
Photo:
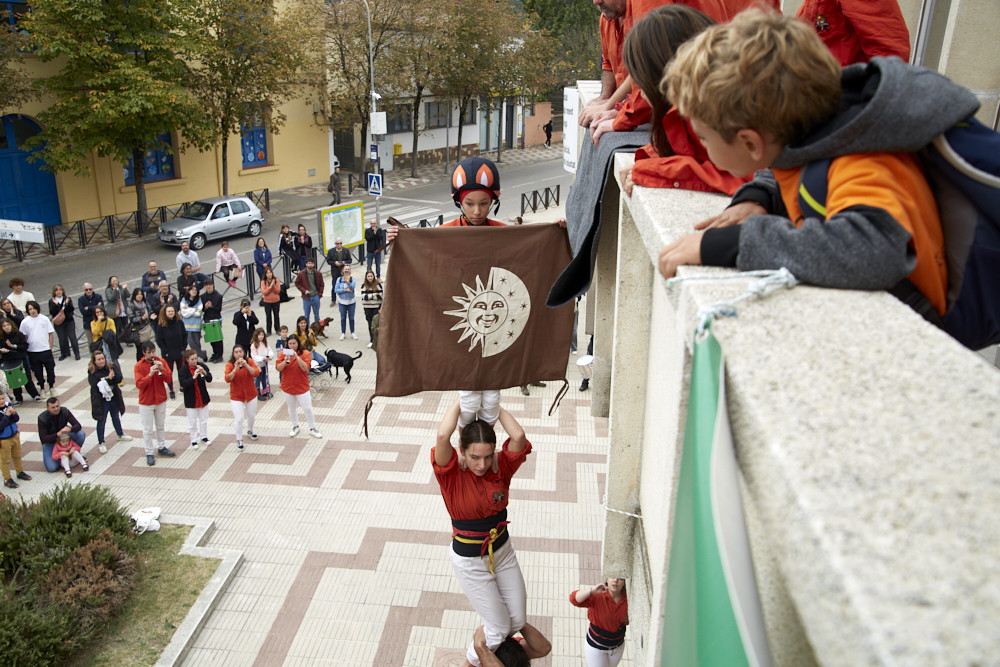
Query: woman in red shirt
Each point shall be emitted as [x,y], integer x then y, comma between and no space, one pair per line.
[240,372]
[293,364]
[607,611]
[475,486]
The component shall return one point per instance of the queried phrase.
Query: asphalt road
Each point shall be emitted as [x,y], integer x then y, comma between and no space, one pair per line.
[129,262]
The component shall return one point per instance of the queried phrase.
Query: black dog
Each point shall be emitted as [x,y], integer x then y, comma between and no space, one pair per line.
[340,360]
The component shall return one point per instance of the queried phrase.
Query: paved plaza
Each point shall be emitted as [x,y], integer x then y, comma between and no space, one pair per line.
[345,539]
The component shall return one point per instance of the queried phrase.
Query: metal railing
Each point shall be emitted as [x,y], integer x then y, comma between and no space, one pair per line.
[544,198]
[83,234]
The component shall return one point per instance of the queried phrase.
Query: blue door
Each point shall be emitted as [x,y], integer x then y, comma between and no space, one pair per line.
[27,192]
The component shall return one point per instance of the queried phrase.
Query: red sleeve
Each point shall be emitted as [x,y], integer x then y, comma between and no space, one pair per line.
[229,369]
[880,27]
[448,469]
[510,462]
[635,111]
[589,602]
[605,61]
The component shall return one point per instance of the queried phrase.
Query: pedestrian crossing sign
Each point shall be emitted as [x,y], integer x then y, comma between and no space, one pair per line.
[375,185]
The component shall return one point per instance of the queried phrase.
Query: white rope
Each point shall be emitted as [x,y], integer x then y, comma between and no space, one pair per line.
[769,282]
[634,516]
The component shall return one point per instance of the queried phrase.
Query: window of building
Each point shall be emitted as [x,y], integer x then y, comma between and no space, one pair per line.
[159,162]
[469,117]
[12,11]
[253,144]
[436,114]
[399,118]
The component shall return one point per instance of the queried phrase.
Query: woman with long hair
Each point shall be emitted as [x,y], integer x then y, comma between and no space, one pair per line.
[371,300]
[14,352]
[607,611]
[193,377]
[171,337]
[475,485]
[115,296]
[137,312]
[293,364]
[262,257]
[191,312]
[261,353]
[101,323]
[66,329]
[245,321]
[270,294]
[105,398]
[9,310]
[241,371]
[344,289]
[307,339]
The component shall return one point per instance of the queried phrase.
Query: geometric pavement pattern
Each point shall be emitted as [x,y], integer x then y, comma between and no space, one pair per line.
[346,540]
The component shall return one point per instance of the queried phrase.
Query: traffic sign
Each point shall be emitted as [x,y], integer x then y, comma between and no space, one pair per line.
[375,185]
[19,230]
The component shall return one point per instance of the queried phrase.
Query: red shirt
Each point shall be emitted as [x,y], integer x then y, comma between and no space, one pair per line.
[152,387]
[857,30]
[294,380]
[603,611]
[199,398]
[612,37]
[467,496]
[241,387]
[462,222]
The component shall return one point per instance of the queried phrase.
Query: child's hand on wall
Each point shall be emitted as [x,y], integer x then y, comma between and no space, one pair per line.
[684,251]
[734,215]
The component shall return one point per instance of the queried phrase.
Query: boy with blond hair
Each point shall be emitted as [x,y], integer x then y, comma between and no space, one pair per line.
[765,95]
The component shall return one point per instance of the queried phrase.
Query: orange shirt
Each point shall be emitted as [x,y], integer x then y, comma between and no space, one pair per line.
[294,380]
[241,387]
[460,222]
[893,182]
[612,37]
[470,497]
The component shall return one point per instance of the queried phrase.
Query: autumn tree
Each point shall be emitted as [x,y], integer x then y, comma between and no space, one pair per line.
[574,24]
[249,64]
[120,83]
[15,84]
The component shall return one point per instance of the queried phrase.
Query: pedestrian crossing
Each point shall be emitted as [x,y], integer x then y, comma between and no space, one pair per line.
[409,215]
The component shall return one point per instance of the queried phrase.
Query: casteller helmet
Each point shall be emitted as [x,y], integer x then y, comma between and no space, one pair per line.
[475,173]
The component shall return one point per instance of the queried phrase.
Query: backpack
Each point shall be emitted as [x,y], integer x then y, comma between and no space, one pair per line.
[962,167]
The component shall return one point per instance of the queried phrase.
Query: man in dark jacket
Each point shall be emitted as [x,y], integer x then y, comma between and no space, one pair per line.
[337,257]
[310,284]
[161,298]
[212,305]
[54,422]
[374,239]
[87,303]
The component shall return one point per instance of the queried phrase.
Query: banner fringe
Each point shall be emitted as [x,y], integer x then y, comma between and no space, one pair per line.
[559,396]
[368,406]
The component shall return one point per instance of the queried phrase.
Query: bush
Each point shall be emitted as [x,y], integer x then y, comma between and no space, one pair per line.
[66,565]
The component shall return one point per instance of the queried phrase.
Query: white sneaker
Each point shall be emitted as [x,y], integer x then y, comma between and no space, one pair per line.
[369,344]
[239,445]
[354,336]
[102,449]
[125,438]
[341,336]
[294,432]
[206,442]
[194,445]
[314,433]
[253,436]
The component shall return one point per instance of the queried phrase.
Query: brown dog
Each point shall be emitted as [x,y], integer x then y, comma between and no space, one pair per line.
[318,328]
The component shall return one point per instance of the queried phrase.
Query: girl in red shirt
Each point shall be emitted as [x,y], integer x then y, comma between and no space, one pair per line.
[607,611]
[293,364]
[240,373]
[475,488]
[193,376]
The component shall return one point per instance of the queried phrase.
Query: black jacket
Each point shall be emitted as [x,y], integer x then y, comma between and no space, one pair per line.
[87,305]
[186,380]
[17,343]
[374,238]
[49,425]
[212,305]
[156,303]
[97,399]
[66,305]
[245,328]
[172,340]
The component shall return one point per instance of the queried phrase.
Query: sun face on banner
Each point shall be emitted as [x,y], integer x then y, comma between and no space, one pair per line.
[494,314]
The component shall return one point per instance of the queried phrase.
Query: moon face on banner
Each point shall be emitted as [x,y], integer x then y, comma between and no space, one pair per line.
[492,315]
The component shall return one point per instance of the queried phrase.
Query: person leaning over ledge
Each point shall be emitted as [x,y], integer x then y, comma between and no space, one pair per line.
[54,423]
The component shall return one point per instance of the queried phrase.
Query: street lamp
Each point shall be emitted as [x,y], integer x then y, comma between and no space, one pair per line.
[371,121]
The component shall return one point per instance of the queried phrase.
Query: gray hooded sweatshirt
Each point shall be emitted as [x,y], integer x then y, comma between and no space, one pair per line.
[886,106]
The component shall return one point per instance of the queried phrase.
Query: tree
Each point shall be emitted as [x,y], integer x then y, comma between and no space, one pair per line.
[121,80]
[574,23]
[15,84]
[248,66]
[347,73]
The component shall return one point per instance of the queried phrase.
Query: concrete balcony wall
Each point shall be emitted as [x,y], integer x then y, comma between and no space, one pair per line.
[867,443]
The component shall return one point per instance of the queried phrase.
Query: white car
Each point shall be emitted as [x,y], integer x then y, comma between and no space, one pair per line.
[213,218]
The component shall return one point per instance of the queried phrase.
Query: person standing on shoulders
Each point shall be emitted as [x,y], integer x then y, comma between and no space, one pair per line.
[152,375]
[66,326]
[88,301]
[310,284]
[192,376]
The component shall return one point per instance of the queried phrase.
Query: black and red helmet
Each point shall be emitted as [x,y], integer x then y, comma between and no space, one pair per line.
[475,173]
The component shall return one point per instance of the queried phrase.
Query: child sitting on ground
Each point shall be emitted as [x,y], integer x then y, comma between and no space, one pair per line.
[764,92]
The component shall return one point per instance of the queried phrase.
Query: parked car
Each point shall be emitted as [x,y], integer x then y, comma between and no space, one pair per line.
[213,218]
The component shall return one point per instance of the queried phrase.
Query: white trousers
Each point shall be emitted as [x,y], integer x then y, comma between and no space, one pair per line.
[152,417]
[197,422]
[473,405]
[243,411]
[303,401]
[500,599]
[597,658]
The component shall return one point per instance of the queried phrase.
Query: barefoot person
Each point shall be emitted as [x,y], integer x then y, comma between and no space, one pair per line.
[475,485]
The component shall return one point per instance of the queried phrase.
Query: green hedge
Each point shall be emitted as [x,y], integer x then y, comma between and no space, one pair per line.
[66,565]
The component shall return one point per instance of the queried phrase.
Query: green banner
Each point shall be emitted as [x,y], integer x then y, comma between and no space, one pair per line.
[712,612]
